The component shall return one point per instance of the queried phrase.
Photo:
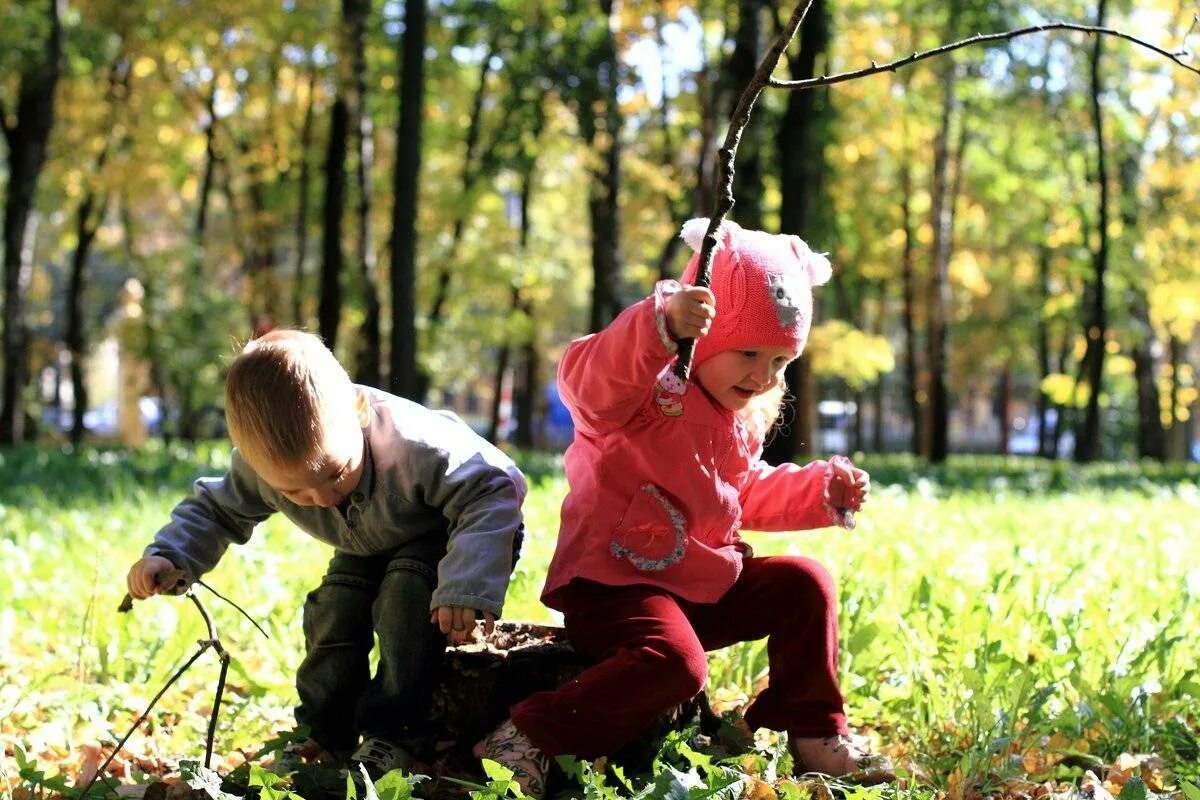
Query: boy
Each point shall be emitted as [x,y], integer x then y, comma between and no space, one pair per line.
[424,517]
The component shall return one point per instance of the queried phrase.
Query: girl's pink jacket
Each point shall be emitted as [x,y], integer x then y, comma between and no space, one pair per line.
[657,496]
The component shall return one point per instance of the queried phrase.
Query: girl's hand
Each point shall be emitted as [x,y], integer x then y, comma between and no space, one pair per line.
[690,312]
[848,485]
[459,623]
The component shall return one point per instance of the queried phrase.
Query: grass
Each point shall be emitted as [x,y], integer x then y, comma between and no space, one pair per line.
[1005,622]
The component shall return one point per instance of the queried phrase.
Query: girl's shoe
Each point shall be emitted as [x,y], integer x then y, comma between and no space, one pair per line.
[509,747]
[840,756]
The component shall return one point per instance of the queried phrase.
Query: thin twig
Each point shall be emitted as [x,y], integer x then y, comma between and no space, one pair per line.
[179,673]
[979,38]
[725,159]
[235,605]
[214,642]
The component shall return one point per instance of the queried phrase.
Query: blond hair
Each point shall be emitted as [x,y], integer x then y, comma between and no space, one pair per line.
[762,412]
[282,394]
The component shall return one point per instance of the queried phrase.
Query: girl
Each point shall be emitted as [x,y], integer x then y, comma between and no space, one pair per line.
[650,571]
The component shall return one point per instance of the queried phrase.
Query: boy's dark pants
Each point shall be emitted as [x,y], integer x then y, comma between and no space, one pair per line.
[387,594]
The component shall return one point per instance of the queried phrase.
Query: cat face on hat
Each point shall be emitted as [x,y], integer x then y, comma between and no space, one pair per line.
[763,286]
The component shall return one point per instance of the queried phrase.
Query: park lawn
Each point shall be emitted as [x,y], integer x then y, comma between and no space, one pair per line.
[1007,625]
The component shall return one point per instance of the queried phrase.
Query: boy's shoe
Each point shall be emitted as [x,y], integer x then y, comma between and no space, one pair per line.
[379,756]
[509,747]
[305,752]
[841,756]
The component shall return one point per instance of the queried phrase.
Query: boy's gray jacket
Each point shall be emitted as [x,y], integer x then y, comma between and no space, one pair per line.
[426,473]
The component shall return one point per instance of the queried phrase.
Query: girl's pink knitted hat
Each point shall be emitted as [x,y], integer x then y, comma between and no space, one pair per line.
[763,285]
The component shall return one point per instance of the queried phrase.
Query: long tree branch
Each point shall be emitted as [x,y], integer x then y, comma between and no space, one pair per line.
[725,159]
[762,79]
[979,38]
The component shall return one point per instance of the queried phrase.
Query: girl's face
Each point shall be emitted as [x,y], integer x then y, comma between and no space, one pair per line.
[735,377]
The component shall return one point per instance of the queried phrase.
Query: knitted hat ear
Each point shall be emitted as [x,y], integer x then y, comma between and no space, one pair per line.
[693,232]
[816,265]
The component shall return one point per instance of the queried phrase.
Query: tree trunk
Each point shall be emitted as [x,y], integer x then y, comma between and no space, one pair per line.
[150,306]
[528,389]
[912,387]
[403,375]
[299,317]
[878,396]
[1004,409]
[260,256]
[1060,410]
[942,221]
[206,184]
[600,125]
[708,94]
[1043,352]
[1177,444]
[748,180]
[329,302]
[1151,437]
[27,142]
[498,380]
[801,141]
[76,337]
[1088,438]
[370,340]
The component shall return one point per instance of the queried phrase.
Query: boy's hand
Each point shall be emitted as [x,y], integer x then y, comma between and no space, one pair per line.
[143,576]
[848,485]
[690,312]
[459,623]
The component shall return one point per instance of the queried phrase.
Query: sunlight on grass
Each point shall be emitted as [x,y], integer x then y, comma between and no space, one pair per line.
[990,626]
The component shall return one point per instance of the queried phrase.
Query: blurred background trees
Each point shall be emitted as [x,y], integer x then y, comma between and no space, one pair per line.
[450,190]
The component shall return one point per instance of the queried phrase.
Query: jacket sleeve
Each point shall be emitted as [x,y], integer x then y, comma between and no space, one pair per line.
[788,497]
[605,377]
[479,491]
[220,511]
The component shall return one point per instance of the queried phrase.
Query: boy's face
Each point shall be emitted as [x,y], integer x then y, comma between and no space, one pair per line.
[735,377]
[336,474]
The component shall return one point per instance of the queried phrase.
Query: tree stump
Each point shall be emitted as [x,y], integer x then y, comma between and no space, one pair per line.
[480,681]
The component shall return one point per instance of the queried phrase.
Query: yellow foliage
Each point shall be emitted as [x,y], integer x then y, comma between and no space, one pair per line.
[1065,233]
[1118,365]
[840,350]
[925,233]
[965,271]
[1059,388]
[1079,348]
[189,189]
[144,67]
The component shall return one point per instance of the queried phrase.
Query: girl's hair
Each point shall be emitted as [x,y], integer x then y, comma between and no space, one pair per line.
[284,391]
[762,412]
